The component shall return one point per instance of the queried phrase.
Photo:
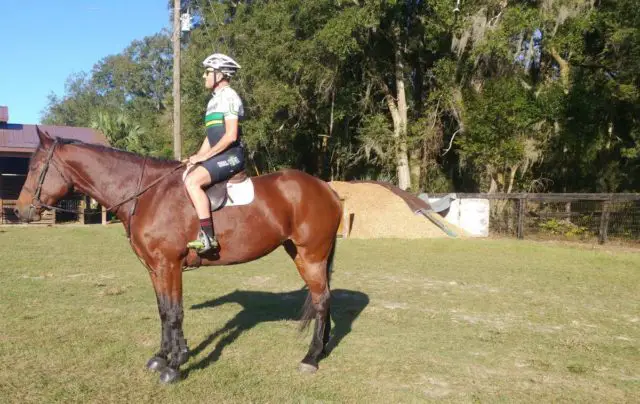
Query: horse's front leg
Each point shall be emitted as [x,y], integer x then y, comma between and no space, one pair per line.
[159,360]
[173,352]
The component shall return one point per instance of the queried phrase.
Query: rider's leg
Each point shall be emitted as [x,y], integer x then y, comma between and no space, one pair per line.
[198,178]
[218,168]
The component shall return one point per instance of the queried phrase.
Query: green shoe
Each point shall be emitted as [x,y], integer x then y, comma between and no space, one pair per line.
[204,243]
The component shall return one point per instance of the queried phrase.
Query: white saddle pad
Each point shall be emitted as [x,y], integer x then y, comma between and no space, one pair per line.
[240,193]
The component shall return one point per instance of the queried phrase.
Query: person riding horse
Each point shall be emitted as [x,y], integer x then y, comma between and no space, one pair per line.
[221,155]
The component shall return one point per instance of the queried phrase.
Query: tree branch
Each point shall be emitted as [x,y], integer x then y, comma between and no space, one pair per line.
[451,142]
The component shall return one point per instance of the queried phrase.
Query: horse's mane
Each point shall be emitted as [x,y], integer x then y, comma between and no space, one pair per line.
[130,156]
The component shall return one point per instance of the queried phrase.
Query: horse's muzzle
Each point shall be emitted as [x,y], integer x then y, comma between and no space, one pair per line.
[27,214]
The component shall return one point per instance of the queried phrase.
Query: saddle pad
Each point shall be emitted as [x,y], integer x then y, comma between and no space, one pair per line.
[240,193]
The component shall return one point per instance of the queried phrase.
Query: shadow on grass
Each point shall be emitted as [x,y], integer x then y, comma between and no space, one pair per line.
[258,307]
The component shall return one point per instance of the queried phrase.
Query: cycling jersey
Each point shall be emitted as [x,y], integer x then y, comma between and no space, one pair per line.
[224,104]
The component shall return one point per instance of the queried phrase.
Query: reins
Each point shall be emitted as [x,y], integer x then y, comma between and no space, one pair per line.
[145,189]
[49,161]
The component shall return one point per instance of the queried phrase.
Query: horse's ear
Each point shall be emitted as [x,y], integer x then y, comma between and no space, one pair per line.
[45,139]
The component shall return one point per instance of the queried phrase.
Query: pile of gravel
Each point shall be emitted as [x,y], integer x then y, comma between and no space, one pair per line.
[379,213]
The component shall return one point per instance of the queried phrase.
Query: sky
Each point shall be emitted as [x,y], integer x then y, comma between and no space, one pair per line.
[43,42]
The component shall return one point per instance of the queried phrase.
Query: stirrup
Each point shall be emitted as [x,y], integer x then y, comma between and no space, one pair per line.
[203,243]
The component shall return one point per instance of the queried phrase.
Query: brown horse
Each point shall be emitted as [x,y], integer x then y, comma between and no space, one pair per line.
[290,208]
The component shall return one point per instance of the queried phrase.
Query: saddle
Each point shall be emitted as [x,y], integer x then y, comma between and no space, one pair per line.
[218,192]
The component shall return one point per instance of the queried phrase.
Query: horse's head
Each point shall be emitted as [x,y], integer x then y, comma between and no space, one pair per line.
[45,184]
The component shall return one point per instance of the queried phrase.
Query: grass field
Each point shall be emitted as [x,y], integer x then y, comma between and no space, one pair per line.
[414,321]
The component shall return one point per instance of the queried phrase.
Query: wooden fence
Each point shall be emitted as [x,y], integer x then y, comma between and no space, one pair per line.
[579,215]
[83,214]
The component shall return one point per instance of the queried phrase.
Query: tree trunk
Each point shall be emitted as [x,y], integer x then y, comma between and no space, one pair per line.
[400,132]
[402,158]
[565,69]
[512,177]
[416,168]
[493,187]
[324,145]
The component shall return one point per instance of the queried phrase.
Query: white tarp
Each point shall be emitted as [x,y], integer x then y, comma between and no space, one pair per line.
[470,214]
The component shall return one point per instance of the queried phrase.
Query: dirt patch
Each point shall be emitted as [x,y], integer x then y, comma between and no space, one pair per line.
[379,213]
[258,280]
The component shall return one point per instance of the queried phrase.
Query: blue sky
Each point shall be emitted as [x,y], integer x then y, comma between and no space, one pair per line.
[42,42]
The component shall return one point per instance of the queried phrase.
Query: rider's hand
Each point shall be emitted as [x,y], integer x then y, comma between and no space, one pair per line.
[192,160]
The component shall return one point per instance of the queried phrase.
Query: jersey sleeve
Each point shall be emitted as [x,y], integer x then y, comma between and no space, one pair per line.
[233,106]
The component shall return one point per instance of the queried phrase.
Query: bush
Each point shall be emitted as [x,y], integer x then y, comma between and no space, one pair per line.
[563,227]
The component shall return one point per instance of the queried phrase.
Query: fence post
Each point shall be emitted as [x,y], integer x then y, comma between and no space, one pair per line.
[345,221]
[82,206]
[604,221]
[522,202]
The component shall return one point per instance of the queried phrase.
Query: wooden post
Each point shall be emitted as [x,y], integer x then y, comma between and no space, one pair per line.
[567,209]
[345,220]
[604,221]
[522,202]
[81,209]
[177,134]
[104,215]
[2,218]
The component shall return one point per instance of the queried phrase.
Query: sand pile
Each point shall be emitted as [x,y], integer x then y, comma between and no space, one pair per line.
[379,213]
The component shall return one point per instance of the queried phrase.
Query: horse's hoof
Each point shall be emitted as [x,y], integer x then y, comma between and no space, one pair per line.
[169,375]
[183,356]
[157,364]
[307,368]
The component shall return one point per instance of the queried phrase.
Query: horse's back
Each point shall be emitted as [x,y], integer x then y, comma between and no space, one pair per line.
[295,183]
[312,204]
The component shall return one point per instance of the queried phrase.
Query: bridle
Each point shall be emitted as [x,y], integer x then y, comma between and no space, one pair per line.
[36,203]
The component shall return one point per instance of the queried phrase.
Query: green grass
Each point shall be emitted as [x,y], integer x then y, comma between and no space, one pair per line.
[416,321]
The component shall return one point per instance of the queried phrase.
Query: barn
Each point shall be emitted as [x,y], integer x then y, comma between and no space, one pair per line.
[17,143]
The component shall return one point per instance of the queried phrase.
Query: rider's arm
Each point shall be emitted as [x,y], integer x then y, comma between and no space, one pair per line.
[204,148]
[230,136]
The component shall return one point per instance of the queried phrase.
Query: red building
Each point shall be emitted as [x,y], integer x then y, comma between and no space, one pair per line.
[17,143]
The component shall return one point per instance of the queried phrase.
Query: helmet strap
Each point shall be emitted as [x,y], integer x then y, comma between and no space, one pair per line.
[215,78]
[216,82]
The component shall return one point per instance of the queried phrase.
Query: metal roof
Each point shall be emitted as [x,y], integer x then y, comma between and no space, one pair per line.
[24,139]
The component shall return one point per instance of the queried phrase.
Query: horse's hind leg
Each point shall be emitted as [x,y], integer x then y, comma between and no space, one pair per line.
[314,271]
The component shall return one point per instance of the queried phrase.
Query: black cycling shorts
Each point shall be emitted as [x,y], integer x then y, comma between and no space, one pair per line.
[226,164]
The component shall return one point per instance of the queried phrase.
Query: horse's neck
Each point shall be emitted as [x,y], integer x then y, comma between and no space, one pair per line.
[107,176]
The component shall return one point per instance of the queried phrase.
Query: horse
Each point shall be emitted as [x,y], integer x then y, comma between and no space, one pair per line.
[290,208]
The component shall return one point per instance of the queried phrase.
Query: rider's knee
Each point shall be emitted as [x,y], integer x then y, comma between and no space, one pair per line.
[190,182]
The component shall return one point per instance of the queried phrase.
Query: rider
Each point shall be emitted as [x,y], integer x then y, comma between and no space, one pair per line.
[222,154]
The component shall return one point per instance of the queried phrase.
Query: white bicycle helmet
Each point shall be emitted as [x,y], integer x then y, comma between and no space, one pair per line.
[222,63]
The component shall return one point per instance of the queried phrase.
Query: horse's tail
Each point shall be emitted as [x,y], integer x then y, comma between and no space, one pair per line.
[308,310]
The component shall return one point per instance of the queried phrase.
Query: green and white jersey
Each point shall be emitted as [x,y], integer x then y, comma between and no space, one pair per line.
[224,104]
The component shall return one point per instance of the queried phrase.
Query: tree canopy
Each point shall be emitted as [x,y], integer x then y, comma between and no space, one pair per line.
[433,95]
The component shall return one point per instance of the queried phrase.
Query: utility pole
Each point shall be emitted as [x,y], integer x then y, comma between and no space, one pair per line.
[177,127]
